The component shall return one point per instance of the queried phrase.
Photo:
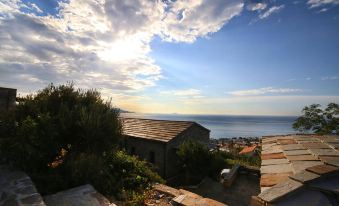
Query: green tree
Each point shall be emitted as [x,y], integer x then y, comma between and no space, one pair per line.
[64,137]
[318,120]
[193,157]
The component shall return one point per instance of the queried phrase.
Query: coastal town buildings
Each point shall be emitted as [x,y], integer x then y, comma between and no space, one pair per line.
[249,151]
[158,140]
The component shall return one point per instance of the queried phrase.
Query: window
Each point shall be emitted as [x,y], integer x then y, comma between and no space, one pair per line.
[152,157]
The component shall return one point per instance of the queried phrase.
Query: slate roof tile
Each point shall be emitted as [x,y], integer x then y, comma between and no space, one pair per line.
[159,130]
[322,169]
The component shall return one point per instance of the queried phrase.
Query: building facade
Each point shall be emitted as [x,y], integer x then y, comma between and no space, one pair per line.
[158,140]
[7,98]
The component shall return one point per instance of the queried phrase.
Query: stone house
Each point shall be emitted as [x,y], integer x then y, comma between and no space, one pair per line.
[158,140]
[7,98]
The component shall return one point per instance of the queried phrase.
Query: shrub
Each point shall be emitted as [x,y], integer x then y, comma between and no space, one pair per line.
[65,137]
[197,161]
[193,158]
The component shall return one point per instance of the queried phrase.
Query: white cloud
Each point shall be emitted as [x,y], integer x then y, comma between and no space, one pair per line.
[263,91]
[183,92]
[330,78]
[256,6]
[99,44]
[270,11]
[308,78]
[318,3]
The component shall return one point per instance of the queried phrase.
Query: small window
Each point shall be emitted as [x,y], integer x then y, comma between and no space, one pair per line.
[152,157]
[132,150]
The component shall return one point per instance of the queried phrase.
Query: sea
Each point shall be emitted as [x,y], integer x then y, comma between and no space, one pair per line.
[229,126]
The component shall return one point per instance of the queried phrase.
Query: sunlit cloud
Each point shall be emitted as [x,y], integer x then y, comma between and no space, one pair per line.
[99,44]
[263,91]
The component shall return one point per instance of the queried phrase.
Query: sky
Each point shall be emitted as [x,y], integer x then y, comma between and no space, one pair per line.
[238,57]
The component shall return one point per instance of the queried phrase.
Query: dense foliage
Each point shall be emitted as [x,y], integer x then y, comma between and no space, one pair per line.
[197,161]
[318,120]
[64,137]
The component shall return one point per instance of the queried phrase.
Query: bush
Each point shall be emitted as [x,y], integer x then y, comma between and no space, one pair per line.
[193,158]
[65,137]
[197,161]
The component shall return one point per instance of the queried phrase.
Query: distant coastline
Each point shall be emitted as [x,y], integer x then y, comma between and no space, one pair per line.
[231,126]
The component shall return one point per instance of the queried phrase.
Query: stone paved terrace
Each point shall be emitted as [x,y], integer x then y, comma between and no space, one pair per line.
[17,189]
[299,170]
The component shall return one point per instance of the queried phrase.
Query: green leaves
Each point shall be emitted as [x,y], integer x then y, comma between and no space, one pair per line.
[64,137]
[317,120]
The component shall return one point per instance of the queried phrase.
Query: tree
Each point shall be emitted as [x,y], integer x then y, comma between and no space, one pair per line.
[318,120]
[64,137]
[194,158]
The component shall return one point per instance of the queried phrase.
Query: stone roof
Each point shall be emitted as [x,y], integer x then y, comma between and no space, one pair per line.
[299,170]
[159,130]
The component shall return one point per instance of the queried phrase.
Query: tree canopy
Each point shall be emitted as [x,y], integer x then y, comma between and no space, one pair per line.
[320,121]
[64,137]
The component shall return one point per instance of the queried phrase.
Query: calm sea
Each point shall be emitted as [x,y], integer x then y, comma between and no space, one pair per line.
[228,126]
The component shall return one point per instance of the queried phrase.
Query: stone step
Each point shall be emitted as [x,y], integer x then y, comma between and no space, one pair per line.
[17,189]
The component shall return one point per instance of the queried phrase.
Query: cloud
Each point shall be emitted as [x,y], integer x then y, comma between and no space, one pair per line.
[256,6]
[330,78]
[99,44]
[308,78]
[319,3]
[183,93]
[270,11]
[263,91]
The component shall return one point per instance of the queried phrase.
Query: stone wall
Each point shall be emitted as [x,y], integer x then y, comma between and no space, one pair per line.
[195,133]
[166,160]
[143,147]
[7,98]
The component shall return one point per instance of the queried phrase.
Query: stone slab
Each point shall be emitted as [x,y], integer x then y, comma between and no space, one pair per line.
[274,161]
[301,158]
[269,180]
[187,200]
[308,141]
[280,190]
[272,150]
[324,152]
[329,184]
[272,156]
[315,146]
[17,189]
[166,190]
[286,141]
[191,194]
[268,146]
[296,152]
[304,176]
[299,166]
[292,147]
[304,197]
[331,140]
[281,168]
[334,145]
[330,160]
[84,195]
[323,169]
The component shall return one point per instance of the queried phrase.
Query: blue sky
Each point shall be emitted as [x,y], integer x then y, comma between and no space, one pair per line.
[197,57]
